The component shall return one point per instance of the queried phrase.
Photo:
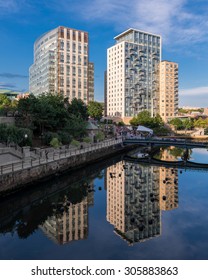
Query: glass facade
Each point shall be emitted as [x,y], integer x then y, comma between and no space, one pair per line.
[140,85]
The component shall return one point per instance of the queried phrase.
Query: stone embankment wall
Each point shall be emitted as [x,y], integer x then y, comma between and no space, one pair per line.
[7,120]
[12,181]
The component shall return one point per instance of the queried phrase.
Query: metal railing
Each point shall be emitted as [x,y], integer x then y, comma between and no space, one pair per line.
[55,155]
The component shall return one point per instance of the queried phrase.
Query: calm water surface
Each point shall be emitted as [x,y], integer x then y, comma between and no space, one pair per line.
[113,210]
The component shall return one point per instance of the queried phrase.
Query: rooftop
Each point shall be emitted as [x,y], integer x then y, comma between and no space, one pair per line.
[131,30]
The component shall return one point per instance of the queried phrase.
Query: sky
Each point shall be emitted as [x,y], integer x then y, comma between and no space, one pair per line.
[183,25]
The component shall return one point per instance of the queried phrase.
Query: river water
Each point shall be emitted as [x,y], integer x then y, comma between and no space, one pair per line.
[117,209]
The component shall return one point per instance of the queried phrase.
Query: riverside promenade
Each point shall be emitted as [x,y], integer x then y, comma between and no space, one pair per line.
[38,164]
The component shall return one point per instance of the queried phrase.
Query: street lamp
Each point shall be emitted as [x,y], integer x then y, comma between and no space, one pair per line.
[26,136]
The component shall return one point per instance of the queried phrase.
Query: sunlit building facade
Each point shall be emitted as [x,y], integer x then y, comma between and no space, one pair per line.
[61,64]
[168,183]
[168,97]
[91,81]
[132,74]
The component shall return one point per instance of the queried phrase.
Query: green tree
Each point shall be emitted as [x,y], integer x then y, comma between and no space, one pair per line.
[188,124]
[143,118]
[76,126]
[13,134]
[78,108]
[177,123]
[5,104]
[95,110]
[203,123]
[25,108]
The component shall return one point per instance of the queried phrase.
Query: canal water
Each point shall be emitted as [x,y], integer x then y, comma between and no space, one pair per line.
[115,209]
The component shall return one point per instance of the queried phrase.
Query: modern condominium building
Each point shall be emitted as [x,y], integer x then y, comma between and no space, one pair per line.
[61,64]
[168,97]
[132,74]
[91,81]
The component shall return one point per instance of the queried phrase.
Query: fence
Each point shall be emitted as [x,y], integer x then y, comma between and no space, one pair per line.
[55,155]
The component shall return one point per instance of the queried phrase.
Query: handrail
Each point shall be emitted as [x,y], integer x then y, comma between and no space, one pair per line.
[56,155]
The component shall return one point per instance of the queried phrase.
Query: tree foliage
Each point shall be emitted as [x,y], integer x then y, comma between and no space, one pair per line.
[202,123]
[144,118]
[4,101]
[95,110]
[52,116]
[78,108]
[13,134]
[188,124]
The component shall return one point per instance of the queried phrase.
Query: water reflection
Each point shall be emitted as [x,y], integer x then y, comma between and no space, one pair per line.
[61,209]
[133,201]
[69,220]
[136,195]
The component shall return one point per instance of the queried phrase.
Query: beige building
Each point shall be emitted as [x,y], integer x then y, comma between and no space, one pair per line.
[91,81]
[133,201]
[61,64]
[168,90]
[168,184]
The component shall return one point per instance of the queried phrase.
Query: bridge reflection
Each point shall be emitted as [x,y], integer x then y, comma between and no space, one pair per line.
[166,142]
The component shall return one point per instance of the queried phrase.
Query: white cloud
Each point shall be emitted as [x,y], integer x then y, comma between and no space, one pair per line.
[198,91]
[178,21]
[8,7]
[175,20]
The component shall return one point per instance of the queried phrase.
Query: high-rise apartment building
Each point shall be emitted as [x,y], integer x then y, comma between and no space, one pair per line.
[168,97]
[105,94]
[132,74]
[61,64]
[91,81]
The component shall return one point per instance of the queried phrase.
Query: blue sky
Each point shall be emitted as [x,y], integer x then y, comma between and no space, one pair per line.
[183,25]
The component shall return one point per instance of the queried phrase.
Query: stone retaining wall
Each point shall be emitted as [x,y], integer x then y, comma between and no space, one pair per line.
[18,179]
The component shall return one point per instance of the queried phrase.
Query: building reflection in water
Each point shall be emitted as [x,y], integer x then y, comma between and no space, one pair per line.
[168,183]
[69,221]
[136,194]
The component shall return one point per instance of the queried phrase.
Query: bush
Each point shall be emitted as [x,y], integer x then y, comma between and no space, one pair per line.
[75,143]
[87,140]
[100,136]
[55,143]
[64,137]
[161,131]
[121,123]
[206,131]
[48,136]
[13,134]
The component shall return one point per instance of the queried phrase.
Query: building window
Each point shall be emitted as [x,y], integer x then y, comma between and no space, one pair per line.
[61,57]
[62,45]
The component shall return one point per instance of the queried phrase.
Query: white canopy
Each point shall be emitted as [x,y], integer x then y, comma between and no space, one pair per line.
[144,129]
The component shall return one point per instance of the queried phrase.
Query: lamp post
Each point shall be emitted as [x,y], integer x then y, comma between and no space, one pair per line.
[26,136]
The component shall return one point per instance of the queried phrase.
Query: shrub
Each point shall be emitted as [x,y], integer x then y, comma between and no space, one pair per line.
[13,134]
[55,143]
[75,143]
[48,136]
[100,136]
[87,140]
[65,137]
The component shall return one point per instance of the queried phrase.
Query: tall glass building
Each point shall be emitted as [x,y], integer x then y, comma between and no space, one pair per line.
[133,74]
[61,63]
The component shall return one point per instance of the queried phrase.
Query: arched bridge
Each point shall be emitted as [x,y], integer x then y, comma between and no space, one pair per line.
[165,142]
[175,164]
